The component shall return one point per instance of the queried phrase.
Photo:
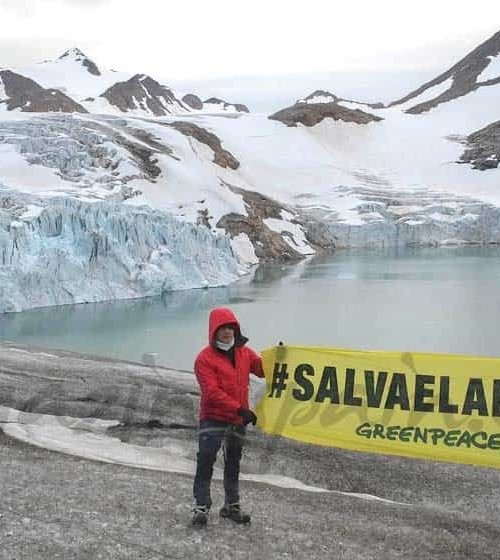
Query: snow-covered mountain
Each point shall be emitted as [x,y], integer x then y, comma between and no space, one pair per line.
[106,91]
[324,173]
[74,74]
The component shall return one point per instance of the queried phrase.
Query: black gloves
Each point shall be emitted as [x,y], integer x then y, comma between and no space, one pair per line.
[249,416]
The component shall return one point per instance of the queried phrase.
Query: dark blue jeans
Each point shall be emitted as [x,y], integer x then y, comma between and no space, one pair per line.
[211,436]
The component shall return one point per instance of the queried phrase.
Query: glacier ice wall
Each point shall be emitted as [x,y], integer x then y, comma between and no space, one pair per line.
[405,218]
[61,250]
[480,229]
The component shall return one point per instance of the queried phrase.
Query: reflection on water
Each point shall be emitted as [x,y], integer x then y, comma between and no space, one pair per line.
[437,300]
[267,274]
[236,299]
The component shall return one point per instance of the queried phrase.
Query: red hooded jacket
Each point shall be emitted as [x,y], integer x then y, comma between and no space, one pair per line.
[224,386]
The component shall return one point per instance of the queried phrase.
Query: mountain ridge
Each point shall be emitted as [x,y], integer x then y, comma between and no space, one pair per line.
[463,74]
[26,95]
[78,77]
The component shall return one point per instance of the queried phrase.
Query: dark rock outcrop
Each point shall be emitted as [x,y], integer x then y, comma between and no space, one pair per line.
[227,106]
[193,101]
[113,393]
[464,76]
[142,92]
[28,96]
[222,157]
[483,150]
[310,114]
[269,245]
[144,148]
[376,105]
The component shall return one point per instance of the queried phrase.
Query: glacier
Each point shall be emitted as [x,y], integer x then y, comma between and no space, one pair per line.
[410,217]
[60,250]
[96,208]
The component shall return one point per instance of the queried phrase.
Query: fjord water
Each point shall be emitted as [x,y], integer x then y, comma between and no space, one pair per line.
[443,300]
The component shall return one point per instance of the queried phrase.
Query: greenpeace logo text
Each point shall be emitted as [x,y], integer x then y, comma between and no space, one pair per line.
[430,436]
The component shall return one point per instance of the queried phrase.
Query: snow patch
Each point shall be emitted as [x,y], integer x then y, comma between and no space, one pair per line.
[428,94]
[32,212]
[190,182]
[243,249]
[319,99]
[372,498]
[86,437]
[3,93]
[491,71]
[293,234]
[219,108]
[100,105]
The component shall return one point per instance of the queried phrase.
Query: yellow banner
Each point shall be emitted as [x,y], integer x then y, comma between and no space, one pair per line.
[430,406]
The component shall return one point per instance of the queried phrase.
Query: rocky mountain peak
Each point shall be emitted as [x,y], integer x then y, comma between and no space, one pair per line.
[78,56]
[143,93]
[73,53]
[193,101]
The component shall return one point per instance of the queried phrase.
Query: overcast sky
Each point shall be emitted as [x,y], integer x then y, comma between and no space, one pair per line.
[195,40]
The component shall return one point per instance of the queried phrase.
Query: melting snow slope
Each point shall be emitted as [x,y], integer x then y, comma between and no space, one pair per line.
[399,152]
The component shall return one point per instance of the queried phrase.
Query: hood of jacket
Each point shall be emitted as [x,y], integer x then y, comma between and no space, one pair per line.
[224,316]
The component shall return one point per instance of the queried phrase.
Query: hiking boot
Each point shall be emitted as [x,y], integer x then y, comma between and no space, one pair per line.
[233,512]
[200,516]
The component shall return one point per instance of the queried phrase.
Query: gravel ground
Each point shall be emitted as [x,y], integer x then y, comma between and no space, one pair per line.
[55,506]
[59,507]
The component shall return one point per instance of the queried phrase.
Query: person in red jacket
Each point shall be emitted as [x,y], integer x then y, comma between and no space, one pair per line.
[222,369]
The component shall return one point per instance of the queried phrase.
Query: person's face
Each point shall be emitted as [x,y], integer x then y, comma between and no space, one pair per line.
[225,334]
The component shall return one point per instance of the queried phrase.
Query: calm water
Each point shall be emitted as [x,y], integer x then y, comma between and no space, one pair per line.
[434,300]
